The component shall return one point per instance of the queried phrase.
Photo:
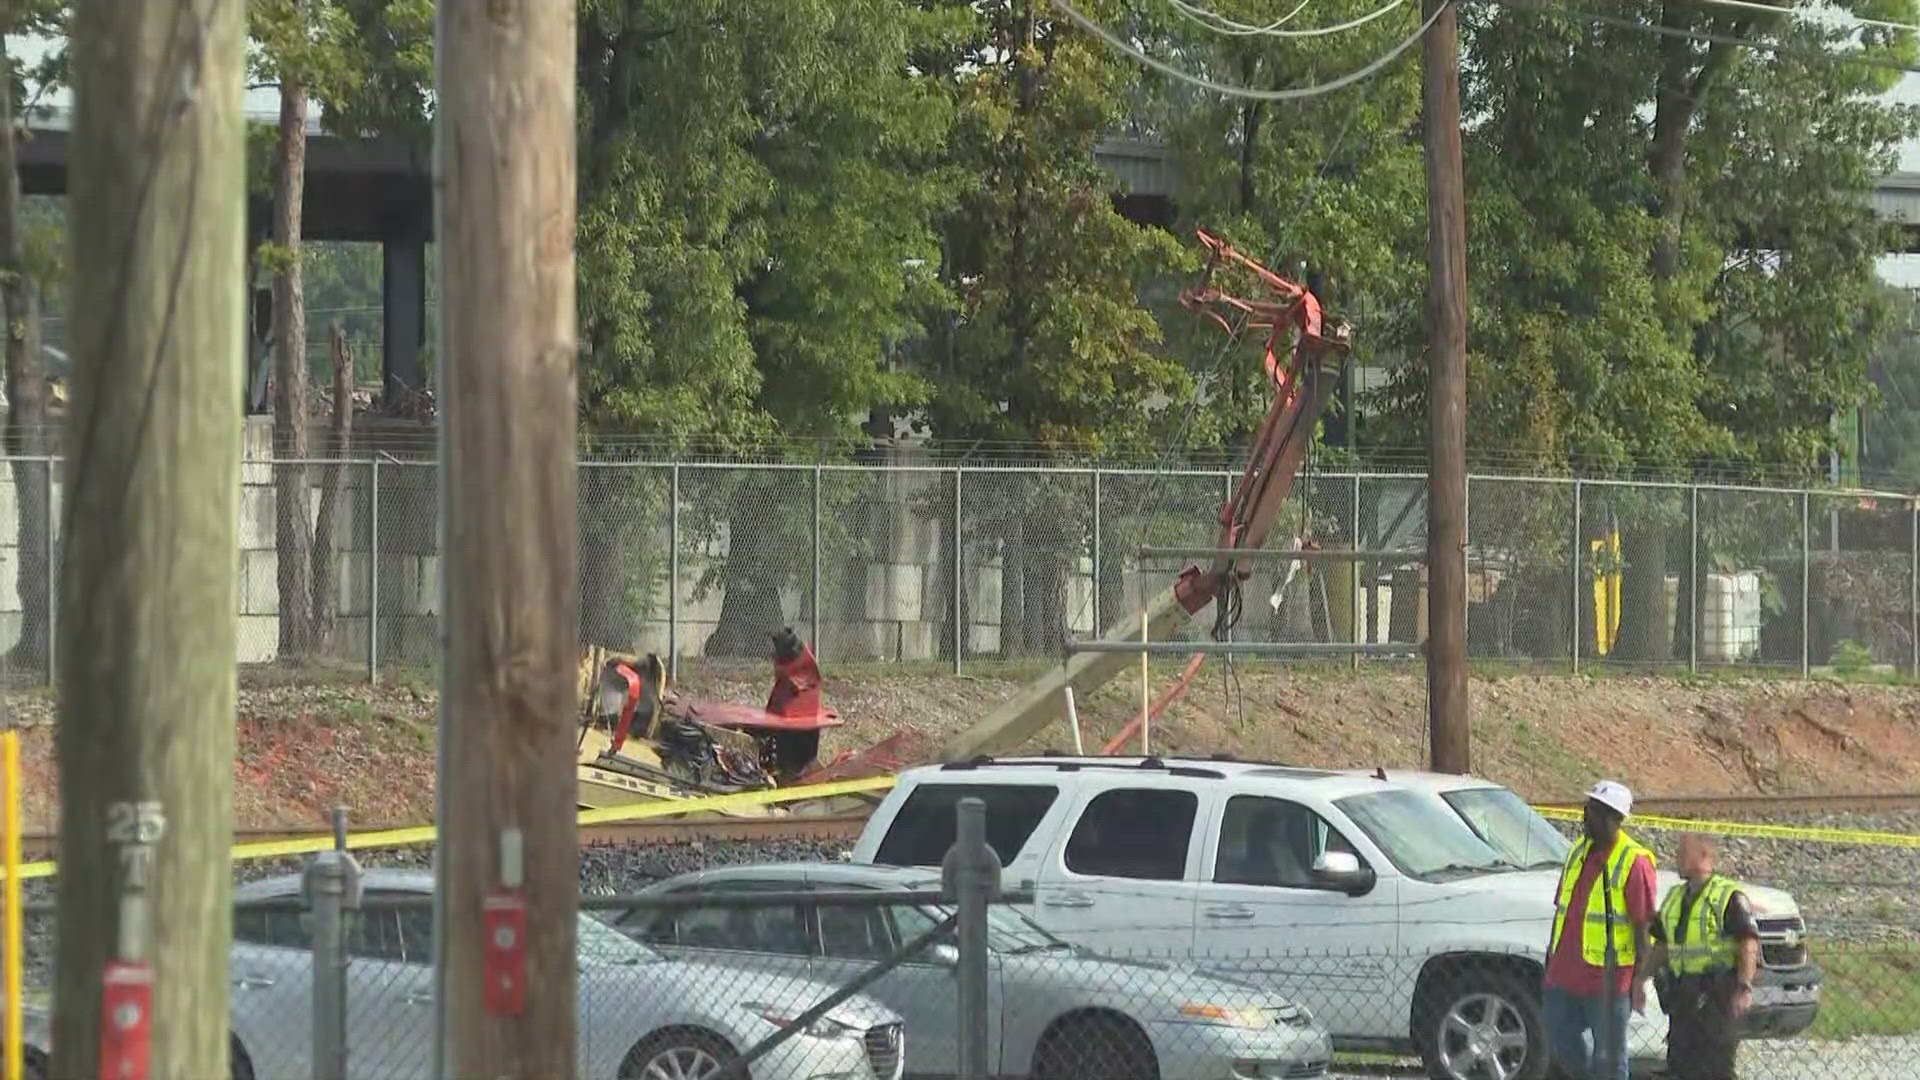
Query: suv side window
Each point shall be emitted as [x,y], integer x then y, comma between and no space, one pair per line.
[1134,833]
[1272,842]
[923,830]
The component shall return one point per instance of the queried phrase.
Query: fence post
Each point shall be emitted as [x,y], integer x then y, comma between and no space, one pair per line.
[1574,562]
[1693,579]
[1359,635]
[1806,577]
[673,574]
[373,572]
[53,581]
[818,477]
[960,621]
[1913,582]
[332,886]
[970,875]
[1098,625]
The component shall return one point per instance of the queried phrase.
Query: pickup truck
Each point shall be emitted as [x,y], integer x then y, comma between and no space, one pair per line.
[1360,896]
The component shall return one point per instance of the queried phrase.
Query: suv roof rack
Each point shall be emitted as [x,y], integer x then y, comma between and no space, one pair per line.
[1066,764]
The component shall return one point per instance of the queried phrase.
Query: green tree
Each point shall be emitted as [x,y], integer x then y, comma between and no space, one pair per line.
[758,187]
[1053,346]
[1671,259]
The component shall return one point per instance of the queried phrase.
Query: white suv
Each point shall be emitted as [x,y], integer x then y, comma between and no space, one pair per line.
[1357,896]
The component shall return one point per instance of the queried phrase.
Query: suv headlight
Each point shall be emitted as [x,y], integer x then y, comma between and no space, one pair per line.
[1228,1016]
[823,1028]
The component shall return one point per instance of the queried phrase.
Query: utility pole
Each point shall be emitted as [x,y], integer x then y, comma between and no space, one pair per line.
[146,658]
[1449,745]
[508,861]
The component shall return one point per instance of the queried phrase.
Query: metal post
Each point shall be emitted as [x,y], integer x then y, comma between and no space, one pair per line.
[1575,563]
[1693,579]
[373,572]
[1913,582]
[332,889]
[1097,623]
[53,584]
[1806,576]
[673,575]
[960,627]
[818,474]
[1359,568]
[971,875]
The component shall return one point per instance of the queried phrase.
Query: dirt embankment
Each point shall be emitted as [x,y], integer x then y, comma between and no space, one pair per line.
[304,748]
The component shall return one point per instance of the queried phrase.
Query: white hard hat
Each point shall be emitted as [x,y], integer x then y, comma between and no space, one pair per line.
[1614,794]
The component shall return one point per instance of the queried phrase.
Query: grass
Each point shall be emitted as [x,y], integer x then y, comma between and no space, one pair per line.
[1867,990]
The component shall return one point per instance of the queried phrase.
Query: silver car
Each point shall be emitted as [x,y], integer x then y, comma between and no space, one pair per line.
[641,1015]
[1055,1011]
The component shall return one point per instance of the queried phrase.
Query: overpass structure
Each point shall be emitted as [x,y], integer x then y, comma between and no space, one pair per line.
[380,190]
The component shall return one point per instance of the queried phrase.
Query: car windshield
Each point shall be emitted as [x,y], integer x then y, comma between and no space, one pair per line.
[1007,930]
[1515,830]
[1420,838]
[602,944]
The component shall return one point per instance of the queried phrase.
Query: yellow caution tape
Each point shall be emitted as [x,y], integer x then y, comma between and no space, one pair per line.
[1742,828]
[422,834]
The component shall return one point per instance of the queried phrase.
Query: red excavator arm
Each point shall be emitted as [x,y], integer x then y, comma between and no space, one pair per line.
[1301,377]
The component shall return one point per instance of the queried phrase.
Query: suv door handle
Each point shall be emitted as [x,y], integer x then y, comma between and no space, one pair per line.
[253,981]
[1227,911]
[1068,900]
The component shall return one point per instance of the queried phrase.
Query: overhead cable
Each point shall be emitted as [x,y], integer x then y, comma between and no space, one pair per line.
[1247,92]
[1708,36]
[1222,25]
[1227,26]
[1853,20]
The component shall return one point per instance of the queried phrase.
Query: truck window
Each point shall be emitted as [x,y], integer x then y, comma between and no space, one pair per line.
[1134,833]
[1272,842]
[923,830]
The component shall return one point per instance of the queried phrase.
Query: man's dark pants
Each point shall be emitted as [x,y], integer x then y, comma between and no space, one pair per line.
[1702,1039]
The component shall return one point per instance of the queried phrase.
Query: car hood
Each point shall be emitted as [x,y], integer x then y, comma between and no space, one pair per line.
[714,986]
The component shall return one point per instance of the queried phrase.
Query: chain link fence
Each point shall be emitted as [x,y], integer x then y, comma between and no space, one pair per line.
[951,566]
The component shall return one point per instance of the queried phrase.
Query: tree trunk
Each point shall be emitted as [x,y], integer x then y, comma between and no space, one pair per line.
[146,658]
[1045,602]
[293,529]
[1646,630]
[27,434]
[332,478]
[750,611]
[1013,569]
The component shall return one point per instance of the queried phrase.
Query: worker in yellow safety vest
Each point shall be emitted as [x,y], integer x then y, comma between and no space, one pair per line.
[1707,946]
[1599,956]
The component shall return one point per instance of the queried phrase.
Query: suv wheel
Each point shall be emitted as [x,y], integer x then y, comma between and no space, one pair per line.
[1482,1026]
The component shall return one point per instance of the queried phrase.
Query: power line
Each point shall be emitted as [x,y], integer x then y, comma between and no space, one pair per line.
[1228,26]
[1242,91]
[1711,37]
[1231,28]
[1856,20]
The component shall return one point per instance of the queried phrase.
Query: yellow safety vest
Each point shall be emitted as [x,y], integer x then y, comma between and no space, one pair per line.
[1707,948]
[1613,880]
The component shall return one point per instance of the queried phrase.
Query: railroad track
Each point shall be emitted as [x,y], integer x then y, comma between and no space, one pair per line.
[37,846]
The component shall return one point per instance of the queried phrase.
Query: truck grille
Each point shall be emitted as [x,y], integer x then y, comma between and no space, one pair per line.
[1783,942]
[883,1051]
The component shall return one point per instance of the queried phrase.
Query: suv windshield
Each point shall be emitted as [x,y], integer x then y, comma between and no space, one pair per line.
[1504,820]
[1421,839]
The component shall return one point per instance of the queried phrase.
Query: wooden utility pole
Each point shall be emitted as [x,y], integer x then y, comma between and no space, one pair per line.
[148,592]
[504,160]
[1450,746]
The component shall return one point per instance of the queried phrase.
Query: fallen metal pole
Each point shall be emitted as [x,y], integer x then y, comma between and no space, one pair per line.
[1248,648]
[1281,554]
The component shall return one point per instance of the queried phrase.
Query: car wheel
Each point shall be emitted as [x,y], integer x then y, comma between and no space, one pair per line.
[684,1054]
[1103,1046]
[1482,1026]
